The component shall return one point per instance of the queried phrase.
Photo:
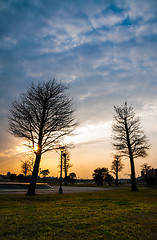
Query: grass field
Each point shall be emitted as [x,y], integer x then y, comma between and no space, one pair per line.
[115,214]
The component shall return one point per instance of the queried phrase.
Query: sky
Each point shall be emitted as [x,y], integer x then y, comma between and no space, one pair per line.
[106,51]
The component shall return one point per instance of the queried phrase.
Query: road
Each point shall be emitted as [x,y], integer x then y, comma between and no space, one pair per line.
[54,190]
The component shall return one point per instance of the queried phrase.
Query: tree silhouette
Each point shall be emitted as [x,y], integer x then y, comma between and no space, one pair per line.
[43,115]
[129,138]
[117,166]
[26,167]
[109,178]
[99,175]
[144,170]
[66,163]
[72,177]
[44,173]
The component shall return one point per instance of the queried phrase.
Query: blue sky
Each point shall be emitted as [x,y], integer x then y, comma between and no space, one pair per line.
[105,51]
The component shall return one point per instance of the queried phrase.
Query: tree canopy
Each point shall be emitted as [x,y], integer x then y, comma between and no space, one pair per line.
[99,175]
[117,166]
[129,138]
[145,168]
[72,177]
[43,115]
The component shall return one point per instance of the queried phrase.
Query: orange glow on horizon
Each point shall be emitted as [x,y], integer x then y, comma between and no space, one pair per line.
[92,149]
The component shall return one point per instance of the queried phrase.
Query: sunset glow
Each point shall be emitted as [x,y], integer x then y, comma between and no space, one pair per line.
[105,51]
[35,148]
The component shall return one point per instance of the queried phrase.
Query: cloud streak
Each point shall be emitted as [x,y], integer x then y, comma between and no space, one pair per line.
[106,51]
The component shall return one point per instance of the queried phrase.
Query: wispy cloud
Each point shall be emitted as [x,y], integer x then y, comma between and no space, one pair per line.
[106,50]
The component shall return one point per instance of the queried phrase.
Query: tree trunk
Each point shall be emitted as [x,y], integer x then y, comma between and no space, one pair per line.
[32,185]
[116,174]
[133,180]
[116,178]
[65,165]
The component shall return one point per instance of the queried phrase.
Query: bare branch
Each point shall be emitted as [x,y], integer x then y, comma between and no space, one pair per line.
[43,115]
[129,138]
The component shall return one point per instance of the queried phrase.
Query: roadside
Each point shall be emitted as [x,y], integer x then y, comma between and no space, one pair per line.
[21,188]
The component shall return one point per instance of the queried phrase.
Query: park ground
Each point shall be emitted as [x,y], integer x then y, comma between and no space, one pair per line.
[115,214]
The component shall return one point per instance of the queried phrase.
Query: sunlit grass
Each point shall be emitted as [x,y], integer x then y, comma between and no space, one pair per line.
[116,214]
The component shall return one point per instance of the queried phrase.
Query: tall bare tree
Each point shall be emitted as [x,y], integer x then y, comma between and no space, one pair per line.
[129,138]
[43,115]
[117,166]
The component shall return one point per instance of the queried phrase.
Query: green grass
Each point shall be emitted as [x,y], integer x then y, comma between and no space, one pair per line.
[116,214]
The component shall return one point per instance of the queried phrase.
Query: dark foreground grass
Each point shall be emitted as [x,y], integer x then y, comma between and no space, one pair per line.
[115,214]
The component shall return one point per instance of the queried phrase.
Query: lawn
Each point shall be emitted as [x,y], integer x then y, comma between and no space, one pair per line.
[114,214]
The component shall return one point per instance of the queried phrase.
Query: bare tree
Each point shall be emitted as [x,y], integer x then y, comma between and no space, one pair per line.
[43,115]
[145,168]
[117,166]
[129,138]
[31,162]
[144,171]
[66,163]
[25,167]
